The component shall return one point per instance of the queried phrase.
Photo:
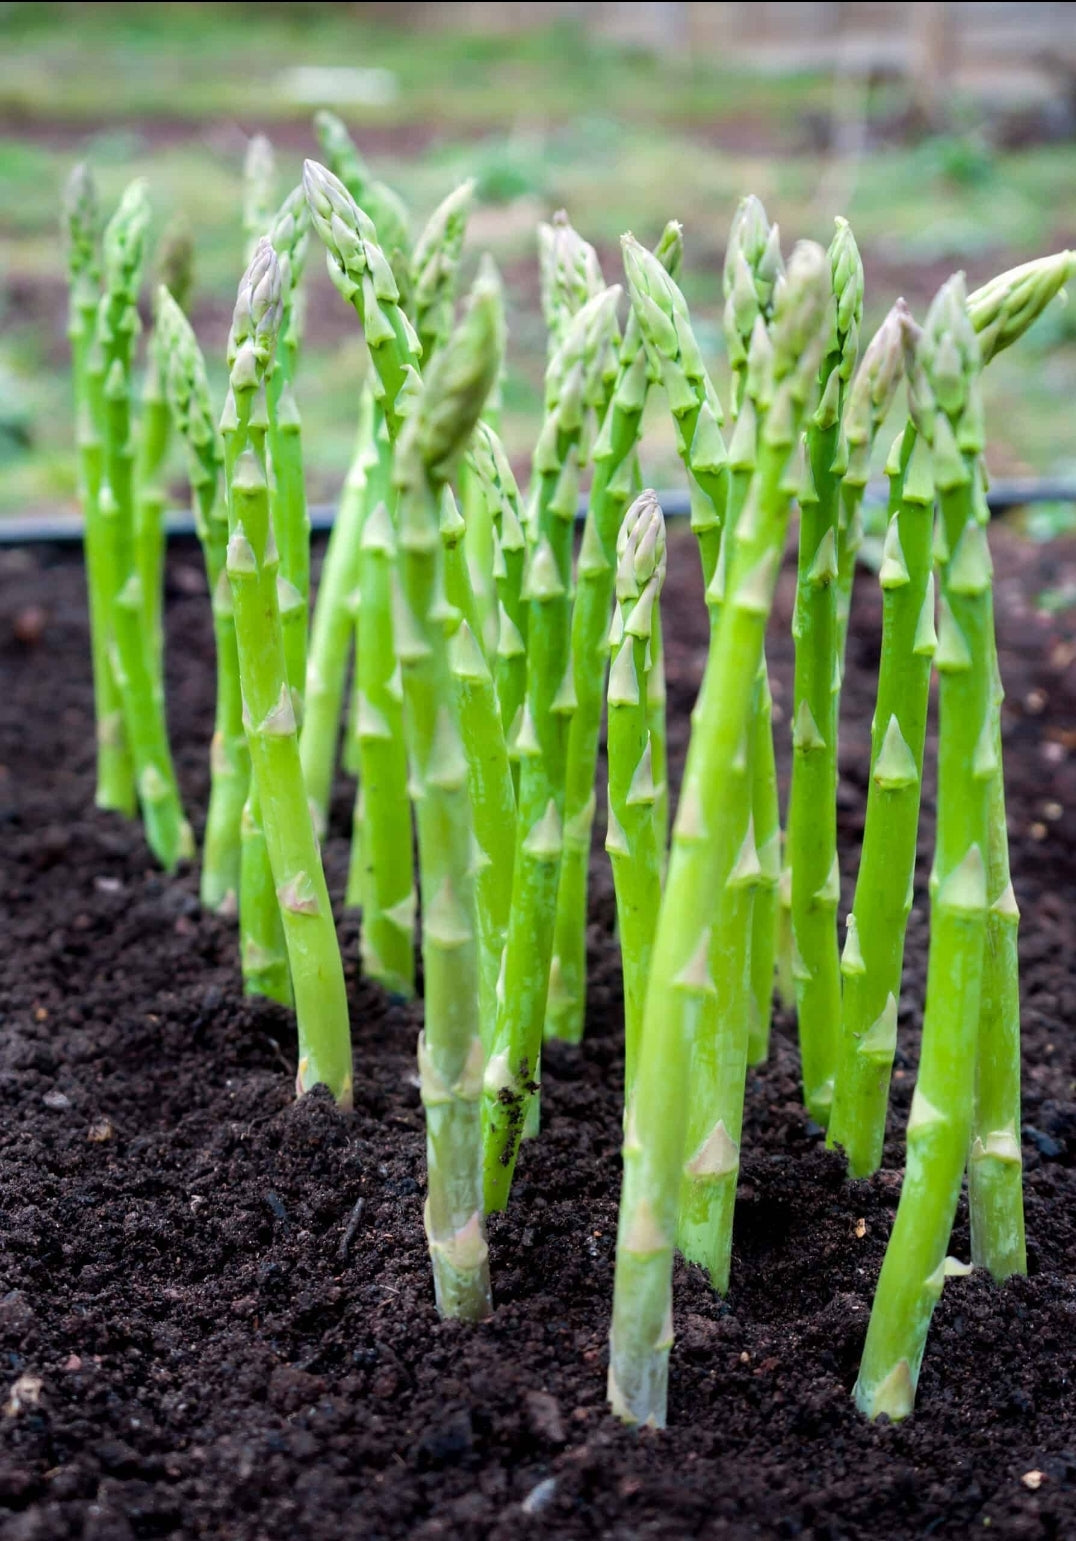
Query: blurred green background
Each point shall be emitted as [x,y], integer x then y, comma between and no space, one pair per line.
[942,153]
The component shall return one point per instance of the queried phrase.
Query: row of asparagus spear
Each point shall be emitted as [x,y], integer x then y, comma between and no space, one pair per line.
[483,648]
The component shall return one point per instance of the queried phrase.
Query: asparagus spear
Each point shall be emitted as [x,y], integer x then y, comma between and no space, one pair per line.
[573,384]
[480,510]
[703,859]
[289,234]
[381,203]
[939,1124]
[812,808]
[450,1048]
[188,396]
[167,831]
[632,839]
[174,267]
[873,954]
[596,569]
[435,267]
[753,269]
[82,229]
[493,474]
[252,562]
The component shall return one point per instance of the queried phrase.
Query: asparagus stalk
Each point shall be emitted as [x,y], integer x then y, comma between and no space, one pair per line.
[188,395]
[753,268]
[82,229]
[595,573]
[175,269]
[435,266]
[574,380]
[873,954]
[450,1048]
[141,696]
[703,860]
[569,276]
[480,510]
[939,1125]
[289,234]
[719,1049]
[812,808]
[632,839]
[252,562]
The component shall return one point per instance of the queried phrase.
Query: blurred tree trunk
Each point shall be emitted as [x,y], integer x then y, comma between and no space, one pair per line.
[932,60]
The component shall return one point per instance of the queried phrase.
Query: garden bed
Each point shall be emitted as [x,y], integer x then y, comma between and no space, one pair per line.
[216,1314]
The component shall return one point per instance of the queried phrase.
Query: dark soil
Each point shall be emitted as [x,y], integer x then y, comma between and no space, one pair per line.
[215,1307]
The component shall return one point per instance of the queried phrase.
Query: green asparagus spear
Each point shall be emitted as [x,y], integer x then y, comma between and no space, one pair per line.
[812,807]
[167,832]
[450,1048]
[479,509]
[703,860]
[873,954]
[939,1124]
[289,234]
[753,268]
[252,562]
[596,569]
[573,384]
[632,839]
[384,207]
[174,267]
[435,267]
[188,395]
[493,473]
[82,229]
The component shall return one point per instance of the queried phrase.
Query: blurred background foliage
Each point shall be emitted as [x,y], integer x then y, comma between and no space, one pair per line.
[947,140]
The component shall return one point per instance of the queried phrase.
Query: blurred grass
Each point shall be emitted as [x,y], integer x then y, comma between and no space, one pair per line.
[621,139]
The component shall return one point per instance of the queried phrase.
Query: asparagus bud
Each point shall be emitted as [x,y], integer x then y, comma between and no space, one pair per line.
[82,227]
[1003,309]
[753,266]
[458,382]
[435,265]
[873,388]
[385,207]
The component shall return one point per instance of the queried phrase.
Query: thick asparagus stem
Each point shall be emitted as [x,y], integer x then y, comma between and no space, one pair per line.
[229,758]
[703,859]
[167,831]
[812,808]
[574,379]
[252,561]
[610,491]
[939,1125]
[632,839]
[82,229]
[450,1048]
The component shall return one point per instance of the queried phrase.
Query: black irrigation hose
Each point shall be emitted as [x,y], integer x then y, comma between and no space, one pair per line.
[60,529]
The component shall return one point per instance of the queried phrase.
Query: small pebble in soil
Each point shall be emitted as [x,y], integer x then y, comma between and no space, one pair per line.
[540,1497]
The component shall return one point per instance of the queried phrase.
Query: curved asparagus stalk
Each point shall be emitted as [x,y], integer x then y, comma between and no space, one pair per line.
[703,859]
[167,831]
[313,953]
[873,955]
[812,806]
[611,488]
[82,230]
[632,840]
[939,1125]
[573,383]
[188,396]
[450,1048]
